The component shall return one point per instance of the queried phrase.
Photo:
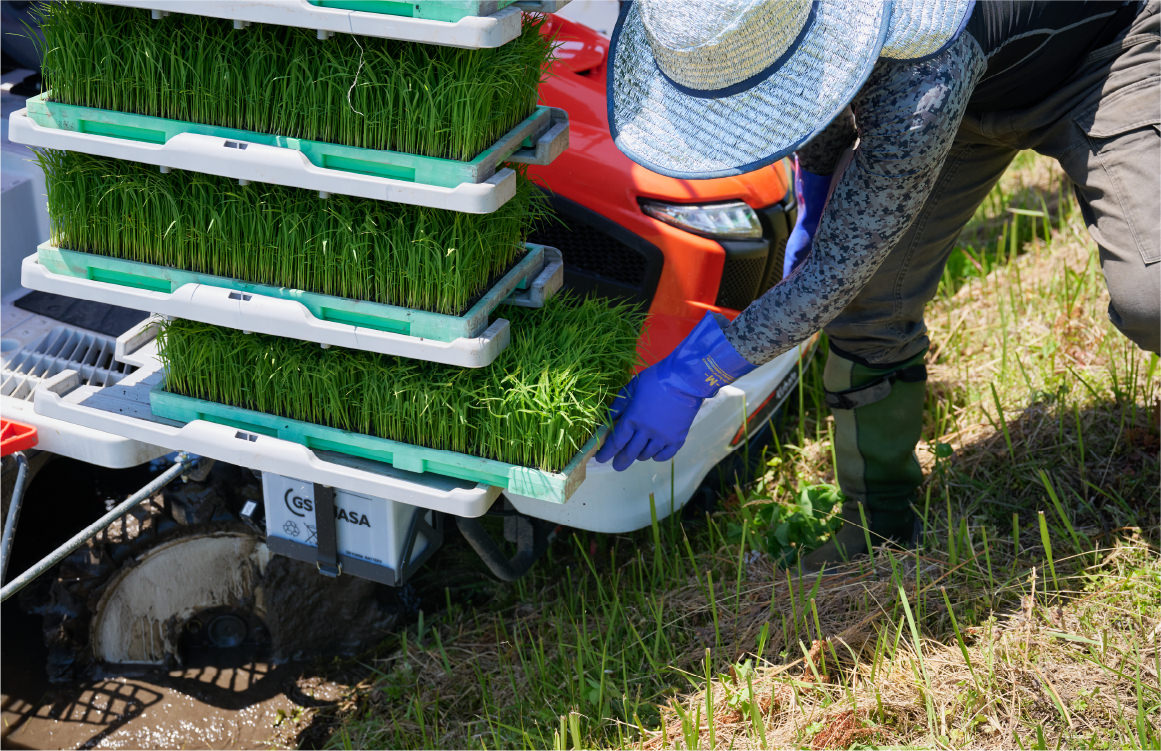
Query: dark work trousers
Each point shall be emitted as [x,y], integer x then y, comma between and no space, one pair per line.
[1103,129]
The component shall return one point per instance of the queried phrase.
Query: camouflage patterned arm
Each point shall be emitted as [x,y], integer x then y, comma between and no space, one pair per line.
[820,155]
[907,114]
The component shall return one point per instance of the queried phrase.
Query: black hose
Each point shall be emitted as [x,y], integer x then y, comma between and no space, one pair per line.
[532,537]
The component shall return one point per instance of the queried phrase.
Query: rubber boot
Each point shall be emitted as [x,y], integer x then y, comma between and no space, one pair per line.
[878,415]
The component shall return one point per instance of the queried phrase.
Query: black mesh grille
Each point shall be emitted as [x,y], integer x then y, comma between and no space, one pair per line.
[740,278]
[752,267]
[586,248]
[774,267]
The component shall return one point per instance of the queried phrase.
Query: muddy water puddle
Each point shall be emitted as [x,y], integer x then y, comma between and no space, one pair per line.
[244,707]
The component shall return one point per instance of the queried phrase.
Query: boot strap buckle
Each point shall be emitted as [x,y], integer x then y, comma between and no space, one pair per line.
[875,391]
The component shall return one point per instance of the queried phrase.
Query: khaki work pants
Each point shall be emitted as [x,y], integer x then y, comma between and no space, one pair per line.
[1103,129]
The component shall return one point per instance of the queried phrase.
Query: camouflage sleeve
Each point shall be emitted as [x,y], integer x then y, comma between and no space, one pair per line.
[907,116]
[821,154]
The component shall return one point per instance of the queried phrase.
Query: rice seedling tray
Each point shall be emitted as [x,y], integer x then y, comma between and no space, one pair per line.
[543,399]
[123,409]
[554,487]
[538,139]
[451,23]
[470,340]
[478,186]
[392,253]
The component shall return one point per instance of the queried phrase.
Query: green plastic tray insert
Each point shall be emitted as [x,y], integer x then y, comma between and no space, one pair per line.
[394,165]
[372,315]
[432,10]
[554,487]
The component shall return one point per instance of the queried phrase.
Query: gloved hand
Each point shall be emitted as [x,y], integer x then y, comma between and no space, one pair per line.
[811,190]
[653,413]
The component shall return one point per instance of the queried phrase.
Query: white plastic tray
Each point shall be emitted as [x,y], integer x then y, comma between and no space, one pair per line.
[262,163]
[289,318]
[88,445]
[123,409]
[22,332]
[473,31]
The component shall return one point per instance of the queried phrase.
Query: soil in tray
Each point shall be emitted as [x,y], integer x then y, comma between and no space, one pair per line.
[541,400]
[358,248]
[357,91]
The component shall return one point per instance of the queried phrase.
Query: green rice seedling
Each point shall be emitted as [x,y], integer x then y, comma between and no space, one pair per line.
[535,406]
[411,256]
[352,90]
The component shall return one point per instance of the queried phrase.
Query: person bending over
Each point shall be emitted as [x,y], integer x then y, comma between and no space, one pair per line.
[929,101]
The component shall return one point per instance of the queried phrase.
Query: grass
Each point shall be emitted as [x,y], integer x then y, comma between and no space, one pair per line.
[411,256]
[536,405]
[1030,617]
[358,91]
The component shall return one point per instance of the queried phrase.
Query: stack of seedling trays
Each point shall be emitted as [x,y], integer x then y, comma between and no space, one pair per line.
[334,224]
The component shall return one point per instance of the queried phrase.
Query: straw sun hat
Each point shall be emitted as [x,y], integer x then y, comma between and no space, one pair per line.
[709,88]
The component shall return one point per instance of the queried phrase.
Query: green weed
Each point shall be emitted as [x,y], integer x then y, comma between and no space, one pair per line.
[785,527]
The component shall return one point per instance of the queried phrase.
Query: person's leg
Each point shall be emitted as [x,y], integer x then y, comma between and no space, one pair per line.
[875,377]
[1109,144]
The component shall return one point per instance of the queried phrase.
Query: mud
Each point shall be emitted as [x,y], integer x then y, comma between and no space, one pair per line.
[227,701]
[221,698]
[245,707]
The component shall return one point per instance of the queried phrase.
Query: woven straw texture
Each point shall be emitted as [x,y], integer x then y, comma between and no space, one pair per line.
[679,135]
[715,44]
[921,27]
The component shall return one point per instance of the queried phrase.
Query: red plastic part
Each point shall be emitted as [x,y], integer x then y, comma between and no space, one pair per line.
[15,436]
[593,173]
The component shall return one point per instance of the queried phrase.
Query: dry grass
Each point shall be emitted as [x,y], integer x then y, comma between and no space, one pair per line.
[1022,666]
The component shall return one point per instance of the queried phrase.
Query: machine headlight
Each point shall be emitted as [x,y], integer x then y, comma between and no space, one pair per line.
[732,220]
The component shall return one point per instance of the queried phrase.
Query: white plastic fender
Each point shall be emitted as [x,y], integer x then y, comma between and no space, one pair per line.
[613,502]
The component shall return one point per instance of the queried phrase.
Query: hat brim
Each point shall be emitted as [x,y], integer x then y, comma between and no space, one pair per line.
[694,137]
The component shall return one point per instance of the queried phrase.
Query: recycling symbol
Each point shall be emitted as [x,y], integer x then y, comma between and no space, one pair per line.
[290,528]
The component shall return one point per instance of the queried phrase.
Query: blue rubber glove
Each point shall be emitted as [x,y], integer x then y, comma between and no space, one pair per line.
[653,413]
[811,190]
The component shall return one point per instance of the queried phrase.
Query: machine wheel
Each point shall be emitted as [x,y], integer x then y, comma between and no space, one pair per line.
[181,581]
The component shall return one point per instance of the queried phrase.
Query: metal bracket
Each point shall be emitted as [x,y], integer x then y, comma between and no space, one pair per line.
[433,531]
[254,516]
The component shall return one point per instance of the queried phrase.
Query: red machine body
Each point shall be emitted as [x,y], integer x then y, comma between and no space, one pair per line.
[612,247]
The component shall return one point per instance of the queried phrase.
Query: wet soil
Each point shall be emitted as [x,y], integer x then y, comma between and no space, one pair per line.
[218,700]
[244,707]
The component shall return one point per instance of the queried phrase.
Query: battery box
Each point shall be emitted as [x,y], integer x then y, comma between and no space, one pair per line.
[375,538]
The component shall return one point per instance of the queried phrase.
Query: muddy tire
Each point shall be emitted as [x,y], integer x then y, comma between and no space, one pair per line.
[181,578]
